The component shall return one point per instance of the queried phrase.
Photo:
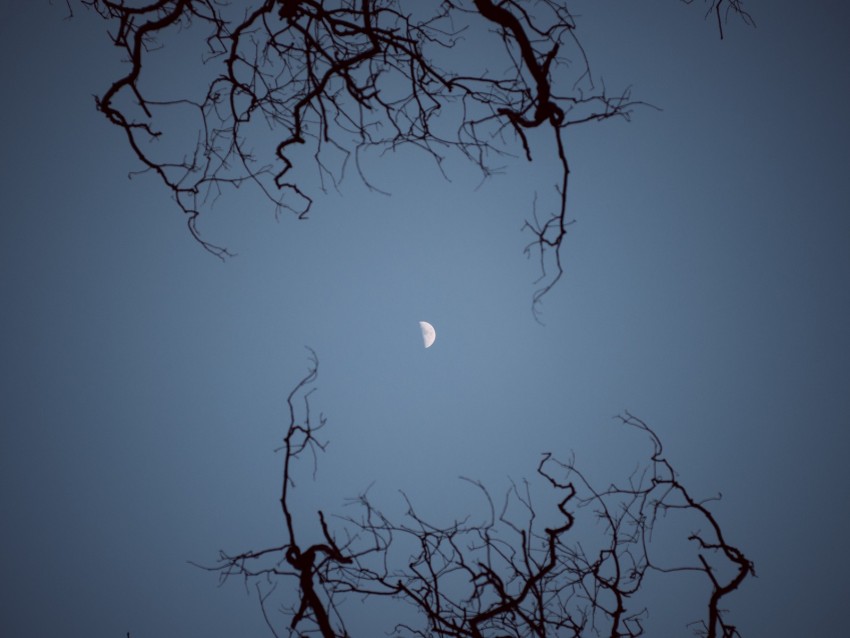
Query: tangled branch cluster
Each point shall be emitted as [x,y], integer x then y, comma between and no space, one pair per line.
[339,77]
[507,576]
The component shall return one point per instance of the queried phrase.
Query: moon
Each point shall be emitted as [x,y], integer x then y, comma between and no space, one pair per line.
[429,335]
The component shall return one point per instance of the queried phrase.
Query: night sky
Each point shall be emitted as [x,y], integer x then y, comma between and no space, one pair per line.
[706,290]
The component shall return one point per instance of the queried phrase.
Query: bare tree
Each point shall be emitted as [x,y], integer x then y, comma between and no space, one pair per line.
[524,571]
[333,79]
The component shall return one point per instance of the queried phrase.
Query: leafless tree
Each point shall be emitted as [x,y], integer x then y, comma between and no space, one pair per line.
[335,78]
[524,571]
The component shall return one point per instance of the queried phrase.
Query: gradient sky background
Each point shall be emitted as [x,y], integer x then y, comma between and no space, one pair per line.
[142,381]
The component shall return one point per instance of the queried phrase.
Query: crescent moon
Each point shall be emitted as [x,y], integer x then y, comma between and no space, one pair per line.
[429,335]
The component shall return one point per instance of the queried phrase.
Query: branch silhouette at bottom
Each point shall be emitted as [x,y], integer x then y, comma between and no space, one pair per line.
[509,575]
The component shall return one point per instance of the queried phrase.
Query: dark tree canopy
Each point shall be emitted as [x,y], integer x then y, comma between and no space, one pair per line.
[526,570]
[333,79]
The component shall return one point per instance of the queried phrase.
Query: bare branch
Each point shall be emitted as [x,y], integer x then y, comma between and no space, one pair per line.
[525,570]
[332,79]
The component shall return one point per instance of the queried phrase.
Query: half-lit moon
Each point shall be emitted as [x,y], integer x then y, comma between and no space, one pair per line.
[429,335]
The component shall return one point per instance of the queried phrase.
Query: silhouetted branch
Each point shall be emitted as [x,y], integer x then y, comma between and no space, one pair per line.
[722,9]
[333,79]
[291,559]
[525,570]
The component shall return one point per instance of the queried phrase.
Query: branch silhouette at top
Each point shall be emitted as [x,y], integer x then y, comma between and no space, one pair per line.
[331,79]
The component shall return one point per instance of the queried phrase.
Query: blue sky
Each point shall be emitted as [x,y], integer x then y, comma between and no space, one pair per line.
[707,290]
